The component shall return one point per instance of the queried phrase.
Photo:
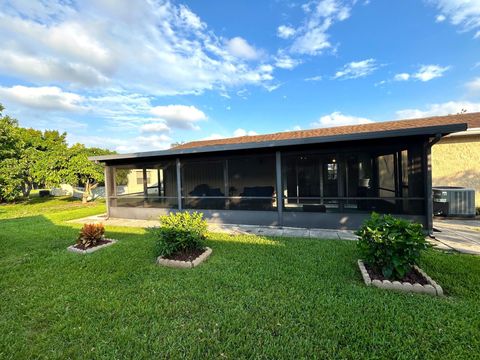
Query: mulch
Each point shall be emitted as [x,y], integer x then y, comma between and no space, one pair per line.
[186,255]
[411,277]
[82,247]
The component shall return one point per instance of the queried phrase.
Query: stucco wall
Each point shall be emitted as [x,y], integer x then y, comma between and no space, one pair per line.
[456,162]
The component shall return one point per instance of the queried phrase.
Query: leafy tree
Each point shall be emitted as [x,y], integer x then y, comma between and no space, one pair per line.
[30,158]
[10,181]
[81,171]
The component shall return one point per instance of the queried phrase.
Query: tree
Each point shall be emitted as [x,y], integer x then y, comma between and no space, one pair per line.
[81,171]
[10,182]
[30,158]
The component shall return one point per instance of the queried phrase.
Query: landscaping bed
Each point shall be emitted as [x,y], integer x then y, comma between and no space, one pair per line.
[81,249]
[416,280]
[185,259]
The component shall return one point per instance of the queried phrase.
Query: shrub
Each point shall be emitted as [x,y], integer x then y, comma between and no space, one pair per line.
[180,232]
[390,245]
[90,235]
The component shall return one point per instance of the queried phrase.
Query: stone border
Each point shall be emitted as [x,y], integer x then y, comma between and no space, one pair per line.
[185,264]
[432,288]
[72,248]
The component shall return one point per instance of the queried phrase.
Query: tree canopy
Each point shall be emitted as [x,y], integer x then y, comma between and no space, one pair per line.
[32,158]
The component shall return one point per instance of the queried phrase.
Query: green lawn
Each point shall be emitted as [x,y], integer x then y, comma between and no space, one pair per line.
[255,297]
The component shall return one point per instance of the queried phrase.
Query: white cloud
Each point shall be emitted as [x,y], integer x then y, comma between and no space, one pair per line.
[356,69]
[338,119]
[156,127]
[240,48]
[286,62]
[424,73]
[440,18]
[242,132]
[237,133]
[463,13]
[474,85]
[191,18]
[46,98]
[92,43]
[213,136]
[154,142]
[446,108]
[285,32]
[401,77]
[429,72]
[314,78]
[311,37]
[46,69]
[179,116]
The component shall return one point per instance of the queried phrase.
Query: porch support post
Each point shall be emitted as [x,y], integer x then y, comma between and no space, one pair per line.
[427,173]
[279,192]
[225,184]
[179,185]
[109,186]
[145,182]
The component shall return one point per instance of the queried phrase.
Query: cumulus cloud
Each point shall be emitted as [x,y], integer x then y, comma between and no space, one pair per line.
[356,69]
[122,44]
[156,127]
[242,132]
[311,38]
[153,142]
[462,13]
[338,119]
[401,77]
[446,108]
[429,72]
[45,98]
[179,116]
[286,62]
[240,48]
[425,73]
[237,133]
[285,32]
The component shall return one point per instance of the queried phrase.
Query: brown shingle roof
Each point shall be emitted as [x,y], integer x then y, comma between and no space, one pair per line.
[472,120]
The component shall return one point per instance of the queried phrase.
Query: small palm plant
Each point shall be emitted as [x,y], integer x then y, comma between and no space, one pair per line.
[90,235]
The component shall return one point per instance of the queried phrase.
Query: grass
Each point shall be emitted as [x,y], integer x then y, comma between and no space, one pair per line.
[255,297]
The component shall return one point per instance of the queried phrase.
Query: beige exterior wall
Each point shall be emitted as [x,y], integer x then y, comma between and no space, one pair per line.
[456,162]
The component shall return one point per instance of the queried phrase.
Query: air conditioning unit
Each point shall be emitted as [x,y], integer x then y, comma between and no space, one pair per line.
[453,201]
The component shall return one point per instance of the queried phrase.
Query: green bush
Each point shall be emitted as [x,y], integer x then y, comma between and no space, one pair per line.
[179,232]
[390,245]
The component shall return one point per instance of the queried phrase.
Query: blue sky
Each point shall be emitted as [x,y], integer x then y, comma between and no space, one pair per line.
[133,76]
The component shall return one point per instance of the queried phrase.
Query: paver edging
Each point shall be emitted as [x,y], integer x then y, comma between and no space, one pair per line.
[432,288]
[72,248]
[185,264]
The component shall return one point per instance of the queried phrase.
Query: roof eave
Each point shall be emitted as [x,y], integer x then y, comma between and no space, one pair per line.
[429,130]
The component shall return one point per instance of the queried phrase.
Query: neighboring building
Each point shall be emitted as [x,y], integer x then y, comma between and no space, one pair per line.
[456,159]
[322,178]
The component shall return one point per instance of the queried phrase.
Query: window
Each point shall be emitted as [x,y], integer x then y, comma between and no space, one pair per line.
[139,176]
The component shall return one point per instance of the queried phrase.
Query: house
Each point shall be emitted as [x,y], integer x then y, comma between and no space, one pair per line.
[323,178]
[456,159]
